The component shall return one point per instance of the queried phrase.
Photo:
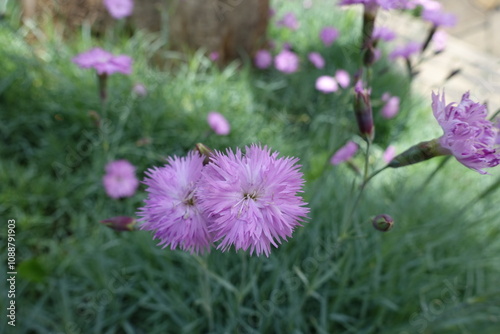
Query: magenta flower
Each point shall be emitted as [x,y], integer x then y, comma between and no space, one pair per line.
[438,18]
[213,56]
[326,84]
[342,77]
[120,180]
[391,107]
[389,154]
[286,61]
[289,21]
[119,8]
[439,40]
[383,33]
[263,59]
[140,90]
[252,201]
[104,62]
[405,51]
[328,35]
[218,123]
[344,153]
[172,208]
[316,59]
[468,135]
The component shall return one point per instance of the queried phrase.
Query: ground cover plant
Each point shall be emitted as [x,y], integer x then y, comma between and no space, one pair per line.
[64,128]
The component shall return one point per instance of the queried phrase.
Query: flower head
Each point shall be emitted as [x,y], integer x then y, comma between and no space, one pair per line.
[252,201]
[328,35]
[344,153]
[438,18]
[104,62]
[286,61]
[406,51]
[383,33]
[218,123]
[316,59]
[172,208]
[120,180]
[119,8]
[263,59]
[391,107]
[326,84]
[289,21]
[468,135]
[389,154]
[342,77]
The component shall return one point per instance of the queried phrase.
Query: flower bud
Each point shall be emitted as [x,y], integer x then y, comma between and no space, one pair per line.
[204,151]
[382,222]
[417,153]
[121,223]
[363,111]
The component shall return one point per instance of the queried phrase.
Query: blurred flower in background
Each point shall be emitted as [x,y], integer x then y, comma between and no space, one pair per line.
[328,35]
[326,84]
[389,153]
[104,62]
[343,78]
[120,180]
[286,61]
[316,59]
[140,90]
[218,123]
[391,107]
[289,21]
[344,153]
[119,8]
[406,51]
[263,59]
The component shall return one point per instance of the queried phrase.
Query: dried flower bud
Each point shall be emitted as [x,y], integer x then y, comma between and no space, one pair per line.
[382,222]
[204,151]
[363,111]
[417,153]
[120,223]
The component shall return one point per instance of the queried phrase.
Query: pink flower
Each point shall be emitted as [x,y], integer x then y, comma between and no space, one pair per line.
[289,21]
[326,84]
[391,107]
[120,180]
[383,33]
[316,59]
[438,18]
[119,8]
[342,78]
[104,62]
[286,61]
[389,153]
[406,51]
[439,40]
[140,90]
[218,123]
[344,153]
[252,201]
[263,59]
[374,4]
[172,208]
[328,35]
[213,56]
[468,135]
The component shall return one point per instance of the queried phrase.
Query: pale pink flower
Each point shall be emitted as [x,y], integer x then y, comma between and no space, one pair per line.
[344,153]
[439,40]
[286,61]
[391,107]
[326,84]
[389,153]
[263,59]
[119,8]
[343,79]
[104,62]
[120,180]
[316,59]
[218,123]
[328,35]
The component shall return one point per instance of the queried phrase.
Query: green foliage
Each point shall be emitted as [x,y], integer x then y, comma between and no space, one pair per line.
[436,271]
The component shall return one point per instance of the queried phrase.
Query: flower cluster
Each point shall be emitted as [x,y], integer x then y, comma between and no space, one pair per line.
[247,200]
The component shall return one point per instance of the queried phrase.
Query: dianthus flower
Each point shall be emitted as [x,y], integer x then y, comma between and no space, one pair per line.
[316,59]
[344,153]
[286,61]
[326,84]
[172,208]
[383,33]
[263,59]
[289,21]
[252,201]
[119,8]
[328,35]
[468,135]
[120,180]
[218,123]
[105,63]
[372,4]
[406,51]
